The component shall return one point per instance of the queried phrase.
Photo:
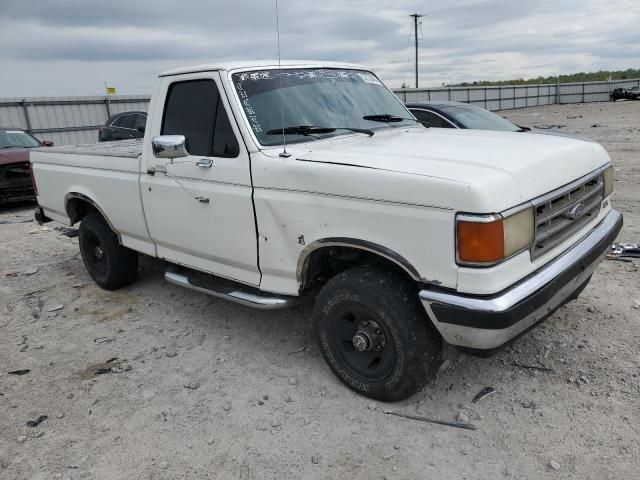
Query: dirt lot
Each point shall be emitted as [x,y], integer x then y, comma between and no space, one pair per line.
[208,389]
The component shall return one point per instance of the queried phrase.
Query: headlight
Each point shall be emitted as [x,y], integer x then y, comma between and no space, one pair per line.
[484,240]
[608,181]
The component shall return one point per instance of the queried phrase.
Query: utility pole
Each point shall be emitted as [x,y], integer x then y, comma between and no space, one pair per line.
[416,16]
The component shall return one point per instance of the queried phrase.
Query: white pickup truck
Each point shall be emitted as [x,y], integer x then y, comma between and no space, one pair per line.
[262,183]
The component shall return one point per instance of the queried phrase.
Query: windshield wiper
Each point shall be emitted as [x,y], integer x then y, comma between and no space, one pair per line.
[385,117]
[313,130]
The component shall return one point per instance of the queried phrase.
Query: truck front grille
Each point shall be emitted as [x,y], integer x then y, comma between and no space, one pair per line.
[563,212]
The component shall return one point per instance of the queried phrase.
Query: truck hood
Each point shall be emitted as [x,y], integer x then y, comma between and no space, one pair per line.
[526,164]
[14,155]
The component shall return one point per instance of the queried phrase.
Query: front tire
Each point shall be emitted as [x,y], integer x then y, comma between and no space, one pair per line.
[109,264]
[375,335]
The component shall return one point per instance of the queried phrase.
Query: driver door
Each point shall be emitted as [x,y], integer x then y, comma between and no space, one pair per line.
[199,207]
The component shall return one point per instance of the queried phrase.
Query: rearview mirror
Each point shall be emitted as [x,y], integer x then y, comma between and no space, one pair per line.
[169,146]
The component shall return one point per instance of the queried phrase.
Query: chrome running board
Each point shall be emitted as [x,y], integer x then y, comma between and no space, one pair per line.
[228,290]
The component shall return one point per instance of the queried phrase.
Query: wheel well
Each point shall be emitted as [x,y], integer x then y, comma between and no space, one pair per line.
[325,262]
[78,208]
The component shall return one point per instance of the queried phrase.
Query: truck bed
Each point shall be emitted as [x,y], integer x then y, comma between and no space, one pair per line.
[107,173]
[121,148]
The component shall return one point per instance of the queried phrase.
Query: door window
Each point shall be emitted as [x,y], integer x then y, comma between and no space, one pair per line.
[430,119]
[141,122]
[194,109]
[125,121]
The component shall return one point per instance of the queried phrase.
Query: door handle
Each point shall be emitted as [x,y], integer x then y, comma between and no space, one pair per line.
[156,169]
[205,163]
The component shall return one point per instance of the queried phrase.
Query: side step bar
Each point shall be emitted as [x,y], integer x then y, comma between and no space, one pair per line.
[228,290]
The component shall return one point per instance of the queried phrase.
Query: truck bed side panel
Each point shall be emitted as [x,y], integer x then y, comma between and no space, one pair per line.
[111,182]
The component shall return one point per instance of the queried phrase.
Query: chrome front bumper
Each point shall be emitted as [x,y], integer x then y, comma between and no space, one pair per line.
[487,322]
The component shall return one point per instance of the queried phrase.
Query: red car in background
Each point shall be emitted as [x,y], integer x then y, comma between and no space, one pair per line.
[15,170]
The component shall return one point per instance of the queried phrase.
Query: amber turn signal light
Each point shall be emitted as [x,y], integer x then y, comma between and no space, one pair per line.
[484,240]
[480,242]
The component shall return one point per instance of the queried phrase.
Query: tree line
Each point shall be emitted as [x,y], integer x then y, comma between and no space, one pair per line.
[601,75]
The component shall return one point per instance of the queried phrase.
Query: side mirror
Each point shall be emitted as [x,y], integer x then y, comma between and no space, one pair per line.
[169,146]
[47,143]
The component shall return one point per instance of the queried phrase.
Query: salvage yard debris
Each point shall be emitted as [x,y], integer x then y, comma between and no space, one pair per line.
[19,372]
[36,422]
[420,418]
[39,230]
[485,392]
[113,365]
[624,250]
[68,232]
[540,368]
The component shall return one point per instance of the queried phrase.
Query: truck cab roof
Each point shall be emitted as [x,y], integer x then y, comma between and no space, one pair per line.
[258,64]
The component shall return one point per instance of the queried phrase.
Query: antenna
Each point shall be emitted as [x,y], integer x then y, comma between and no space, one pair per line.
[284,152]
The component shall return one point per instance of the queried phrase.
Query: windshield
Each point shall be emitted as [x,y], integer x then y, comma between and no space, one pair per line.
[479,119]
[329,98]
[18,139]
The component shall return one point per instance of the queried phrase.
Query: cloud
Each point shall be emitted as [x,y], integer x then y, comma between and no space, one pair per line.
[66,47]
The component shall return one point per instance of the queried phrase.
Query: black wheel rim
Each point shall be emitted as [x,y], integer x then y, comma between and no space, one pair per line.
[363,342]
[96,254]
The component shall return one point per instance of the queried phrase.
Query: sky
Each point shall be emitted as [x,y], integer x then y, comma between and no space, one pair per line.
[72,47]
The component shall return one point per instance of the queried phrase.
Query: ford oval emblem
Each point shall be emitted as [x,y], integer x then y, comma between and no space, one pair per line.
[576,211]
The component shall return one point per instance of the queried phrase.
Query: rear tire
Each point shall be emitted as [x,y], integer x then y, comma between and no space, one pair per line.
[109,264]
[375,335]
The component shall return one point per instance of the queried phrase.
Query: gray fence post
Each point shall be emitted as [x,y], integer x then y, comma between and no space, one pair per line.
[25,110]
[106,104]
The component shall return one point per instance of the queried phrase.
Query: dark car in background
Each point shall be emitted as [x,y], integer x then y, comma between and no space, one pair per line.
[123,126]
[632,93]
[445,114]
[16,183]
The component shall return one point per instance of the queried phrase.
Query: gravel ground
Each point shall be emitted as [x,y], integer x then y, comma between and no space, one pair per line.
[202,388]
